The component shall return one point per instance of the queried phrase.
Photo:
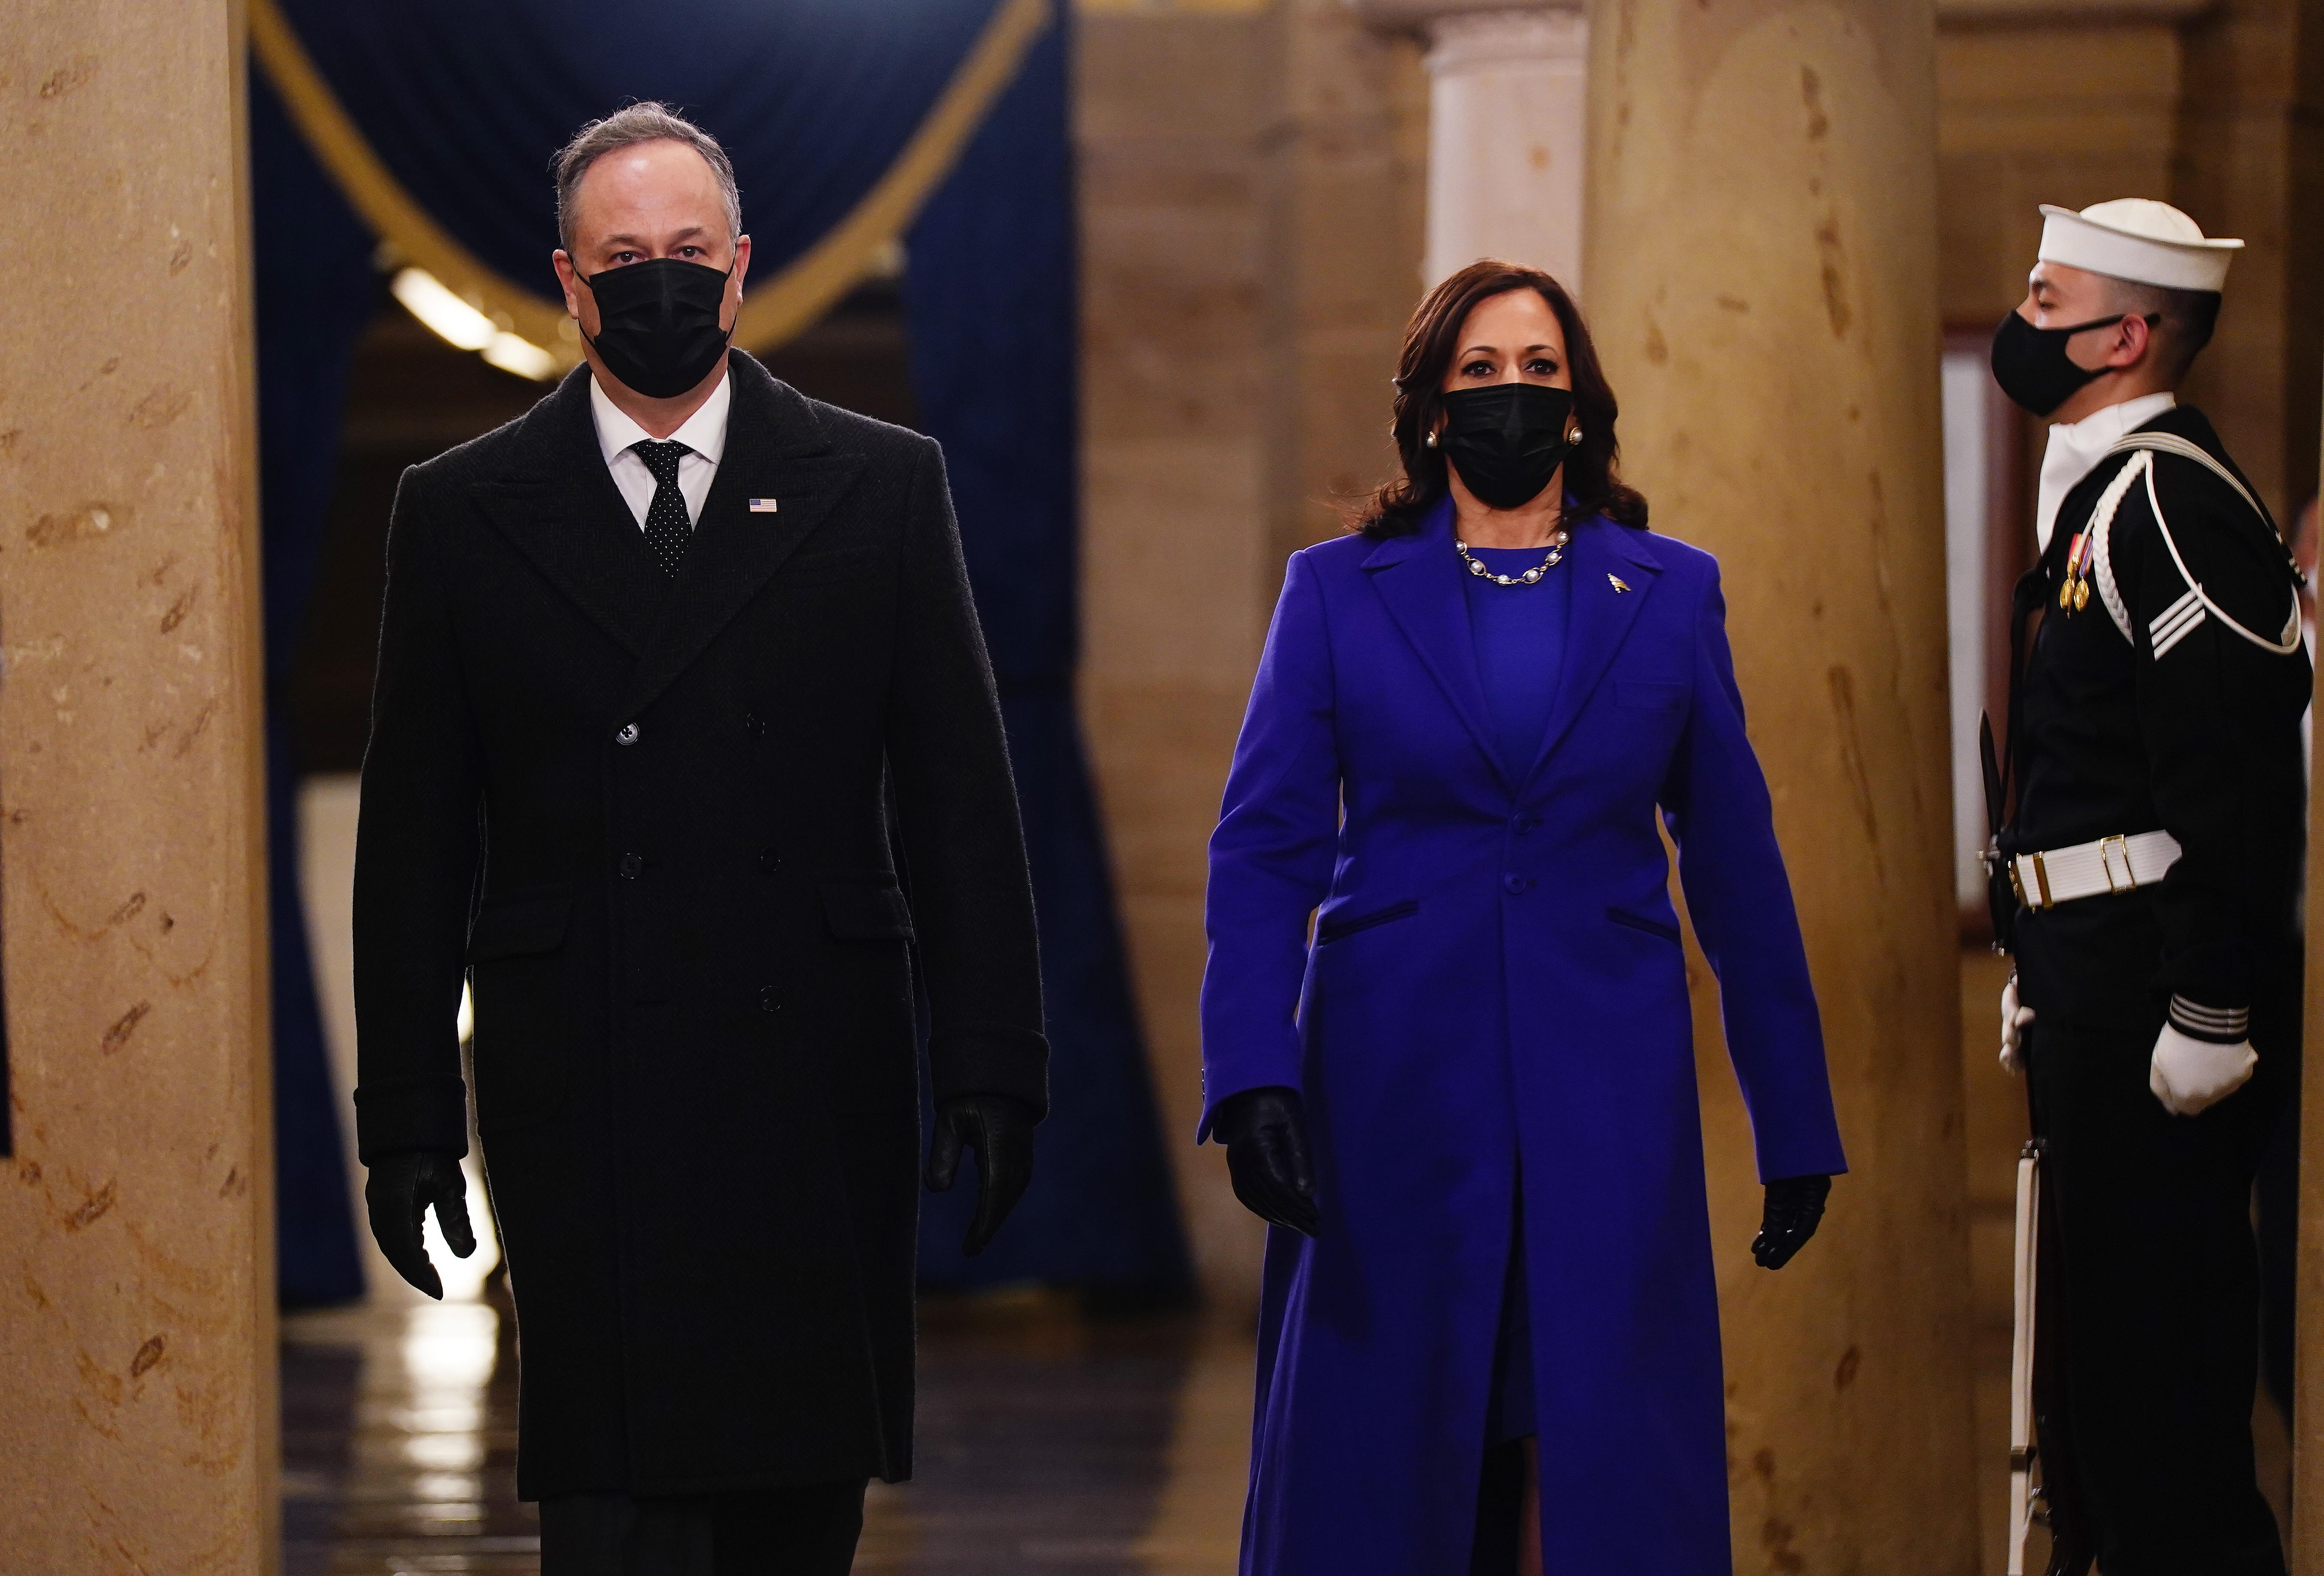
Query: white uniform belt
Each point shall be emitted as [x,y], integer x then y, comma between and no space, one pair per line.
[2089,869]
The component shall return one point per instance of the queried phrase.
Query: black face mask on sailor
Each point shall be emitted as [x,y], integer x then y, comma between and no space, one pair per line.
[2032,366]
[1507,440]
[658,324]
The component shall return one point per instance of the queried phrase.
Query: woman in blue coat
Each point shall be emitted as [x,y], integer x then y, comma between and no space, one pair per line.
[1465,1100]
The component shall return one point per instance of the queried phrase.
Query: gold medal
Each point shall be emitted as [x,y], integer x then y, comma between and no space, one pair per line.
[2073,591]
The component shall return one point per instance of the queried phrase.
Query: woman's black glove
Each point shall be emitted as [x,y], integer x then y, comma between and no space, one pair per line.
[1000,1130]
[1794,1205]
[1266,1157]
[397,1194]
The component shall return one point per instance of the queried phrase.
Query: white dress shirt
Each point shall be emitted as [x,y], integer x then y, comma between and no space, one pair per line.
[705,433]
[2074,451]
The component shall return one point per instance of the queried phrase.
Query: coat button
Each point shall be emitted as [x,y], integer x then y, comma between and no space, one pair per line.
[1523,824]
[627,736]
[771,998]
[753,726]
[769,861]
[633,865]
[1515,883]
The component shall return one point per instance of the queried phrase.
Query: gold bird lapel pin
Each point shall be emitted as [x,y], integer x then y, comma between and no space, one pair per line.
[1616,582]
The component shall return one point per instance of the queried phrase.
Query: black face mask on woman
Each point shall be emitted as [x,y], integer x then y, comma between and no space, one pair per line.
[2032,366]
[1507,440]
[658,324]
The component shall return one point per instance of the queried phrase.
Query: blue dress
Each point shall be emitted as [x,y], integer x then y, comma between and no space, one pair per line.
[1519,634]
[1468,964]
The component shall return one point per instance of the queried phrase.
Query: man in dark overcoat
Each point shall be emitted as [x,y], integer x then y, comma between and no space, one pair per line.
[2149,878]
[686,753]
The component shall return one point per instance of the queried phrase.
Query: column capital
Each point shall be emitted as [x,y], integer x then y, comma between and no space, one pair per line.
[1434,20]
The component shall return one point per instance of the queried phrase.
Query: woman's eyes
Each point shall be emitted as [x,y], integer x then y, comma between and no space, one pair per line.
[1540,366]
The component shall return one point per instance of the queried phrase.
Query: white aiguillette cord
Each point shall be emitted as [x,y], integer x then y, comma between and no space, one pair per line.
[2144,446]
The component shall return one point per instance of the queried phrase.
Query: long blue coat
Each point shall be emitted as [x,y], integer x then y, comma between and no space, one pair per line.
[1495,998]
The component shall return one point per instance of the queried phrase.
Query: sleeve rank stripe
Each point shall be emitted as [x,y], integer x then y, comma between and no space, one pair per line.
[2227,1024]
[2175,623]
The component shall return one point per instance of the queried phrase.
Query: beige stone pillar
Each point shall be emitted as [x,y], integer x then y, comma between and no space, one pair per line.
[1762,258]
[2251,164]
[1169,113]
[1249,206]
[138,1427]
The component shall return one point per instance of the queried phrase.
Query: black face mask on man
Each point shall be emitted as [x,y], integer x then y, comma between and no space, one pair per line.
[2032,366]
[1507,440]
[658,324]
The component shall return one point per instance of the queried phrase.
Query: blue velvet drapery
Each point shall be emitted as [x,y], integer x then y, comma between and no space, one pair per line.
[813,99]
[990,297]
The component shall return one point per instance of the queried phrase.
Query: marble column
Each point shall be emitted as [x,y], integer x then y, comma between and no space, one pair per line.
[1762,257]
[138,1422]
[1507,91]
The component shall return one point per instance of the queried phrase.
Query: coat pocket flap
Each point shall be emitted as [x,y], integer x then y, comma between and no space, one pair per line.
[520,926]
[857,911]
[1647,923]
[1342,922]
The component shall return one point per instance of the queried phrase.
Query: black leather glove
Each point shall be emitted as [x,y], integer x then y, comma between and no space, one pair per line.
[398,1192]
[1794,1205]
[1266,1157]
[1000,1130]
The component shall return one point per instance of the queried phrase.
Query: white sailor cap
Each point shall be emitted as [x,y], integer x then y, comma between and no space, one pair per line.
[2138,239]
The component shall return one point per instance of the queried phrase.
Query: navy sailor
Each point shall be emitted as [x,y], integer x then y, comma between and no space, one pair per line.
[2146,880]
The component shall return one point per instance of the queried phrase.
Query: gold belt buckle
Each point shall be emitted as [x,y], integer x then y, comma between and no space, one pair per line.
[2041,879]
[2106,864]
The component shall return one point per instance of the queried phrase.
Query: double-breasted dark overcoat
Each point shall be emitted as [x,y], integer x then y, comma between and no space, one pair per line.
[682,834]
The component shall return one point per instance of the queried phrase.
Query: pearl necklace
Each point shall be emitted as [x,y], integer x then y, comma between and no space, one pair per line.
[1530,577]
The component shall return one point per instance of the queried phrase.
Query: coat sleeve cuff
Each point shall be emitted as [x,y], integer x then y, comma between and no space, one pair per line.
[1014,1063]
[2218,1026]
[1219,1086]
[429,1115]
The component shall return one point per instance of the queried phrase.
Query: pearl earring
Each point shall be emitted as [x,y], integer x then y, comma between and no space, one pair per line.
[1575,436]
[1430,441]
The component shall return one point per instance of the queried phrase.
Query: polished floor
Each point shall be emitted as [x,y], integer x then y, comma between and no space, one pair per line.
[1051,1444]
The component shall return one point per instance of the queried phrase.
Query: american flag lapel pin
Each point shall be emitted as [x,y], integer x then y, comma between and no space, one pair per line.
[762,506]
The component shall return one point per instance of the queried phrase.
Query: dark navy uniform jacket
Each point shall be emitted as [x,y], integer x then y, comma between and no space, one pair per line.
[2201,740]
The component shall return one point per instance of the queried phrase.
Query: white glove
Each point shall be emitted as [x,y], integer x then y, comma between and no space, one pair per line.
[2013,1019]
[2190,1075]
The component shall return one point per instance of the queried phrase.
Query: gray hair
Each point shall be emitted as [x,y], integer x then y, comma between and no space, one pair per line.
[650,122]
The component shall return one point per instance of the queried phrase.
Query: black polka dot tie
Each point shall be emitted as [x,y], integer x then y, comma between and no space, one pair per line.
[668,529]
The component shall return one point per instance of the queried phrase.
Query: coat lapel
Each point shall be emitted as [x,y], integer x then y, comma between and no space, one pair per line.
[1419,579]
[1599,616]
[775,448]
[558,505]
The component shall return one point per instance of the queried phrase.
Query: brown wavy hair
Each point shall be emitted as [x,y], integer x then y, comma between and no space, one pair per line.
[1592,481]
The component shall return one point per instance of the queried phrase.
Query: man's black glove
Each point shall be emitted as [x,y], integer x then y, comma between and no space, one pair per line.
[1266,1157]
[1000,1130]
[401,1187]
[1794,1205]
